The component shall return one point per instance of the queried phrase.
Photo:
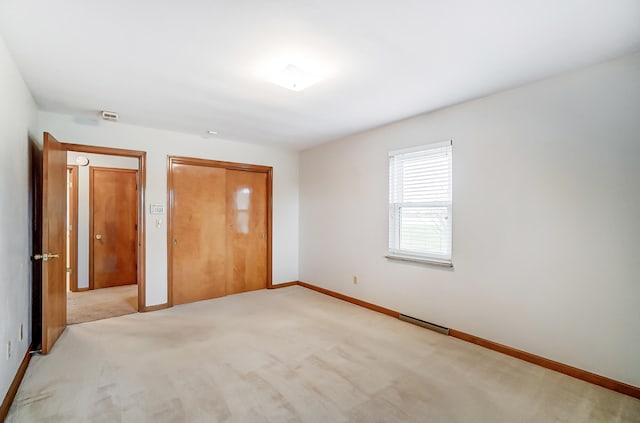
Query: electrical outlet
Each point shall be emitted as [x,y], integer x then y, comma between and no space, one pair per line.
[355,279]
[8,350]
[21,333]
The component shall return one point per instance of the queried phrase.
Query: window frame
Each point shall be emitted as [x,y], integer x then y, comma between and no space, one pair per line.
[395,211]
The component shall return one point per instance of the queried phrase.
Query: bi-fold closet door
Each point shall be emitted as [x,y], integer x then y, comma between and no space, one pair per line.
[219,228]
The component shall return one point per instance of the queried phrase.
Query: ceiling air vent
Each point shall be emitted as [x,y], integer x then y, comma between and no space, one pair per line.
[112,116]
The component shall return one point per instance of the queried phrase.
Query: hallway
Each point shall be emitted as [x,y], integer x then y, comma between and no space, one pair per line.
[98,304]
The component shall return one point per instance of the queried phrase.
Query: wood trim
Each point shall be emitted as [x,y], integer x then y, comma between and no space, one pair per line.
[171,160]
[15,384]
[142,241]
[73,248]
[90,231]
[584,375]
[170,201]
[269,225]
[156,307]
[283,285]
[142,183]
[217,163]
[605,382]
[81,148]
[352,300]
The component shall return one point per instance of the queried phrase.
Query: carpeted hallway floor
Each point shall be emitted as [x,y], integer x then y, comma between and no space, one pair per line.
[292,355]
[97,304]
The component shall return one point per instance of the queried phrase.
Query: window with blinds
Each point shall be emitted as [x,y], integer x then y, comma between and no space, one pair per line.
[420,200]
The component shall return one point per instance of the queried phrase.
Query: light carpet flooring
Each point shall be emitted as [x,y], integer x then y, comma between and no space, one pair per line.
[96,304]
[292,355]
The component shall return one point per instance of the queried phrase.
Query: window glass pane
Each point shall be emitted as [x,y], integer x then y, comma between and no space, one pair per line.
[425,230]
[420,202]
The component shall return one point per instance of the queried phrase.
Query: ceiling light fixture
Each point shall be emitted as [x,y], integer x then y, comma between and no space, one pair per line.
[294,78]
[112,116]
[212,132]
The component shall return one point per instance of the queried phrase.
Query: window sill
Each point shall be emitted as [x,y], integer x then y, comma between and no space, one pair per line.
[419,260]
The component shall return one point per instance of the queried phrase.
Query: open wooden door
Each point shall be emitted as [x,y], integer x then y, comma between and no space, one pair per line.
[54,211]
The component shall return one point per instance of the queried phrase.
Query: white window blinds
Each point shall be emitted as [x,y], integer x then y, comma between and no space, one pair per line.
[420,200]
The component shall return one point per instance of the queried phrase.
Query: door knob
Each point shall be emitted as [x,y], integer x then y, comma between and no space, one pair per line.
[45,256]
[98,236]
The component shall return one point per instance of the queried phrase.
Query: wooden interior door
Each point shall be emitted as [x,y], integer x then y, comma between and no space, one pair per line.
[198,226]
[113,217]
[246,236]
[54,212]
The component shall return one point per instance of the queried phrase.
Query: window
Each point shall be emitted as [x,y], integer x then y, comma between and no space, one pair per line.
[420,204]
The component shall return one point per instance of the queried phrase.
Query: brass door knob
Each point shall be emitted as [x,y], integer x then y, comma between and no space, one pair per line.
[98,236]
[45,256]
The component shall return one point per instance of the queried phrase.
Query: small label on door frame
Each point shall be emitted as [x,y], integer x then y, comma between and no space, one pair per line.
[156,209]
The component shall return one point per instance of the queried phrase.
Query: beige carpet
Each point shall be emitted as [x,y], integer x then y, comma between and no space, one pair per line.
[97,304]
[292,355]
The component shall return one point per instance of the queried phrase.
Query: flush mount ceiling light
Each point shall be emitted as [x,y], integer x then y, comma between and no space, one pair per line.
[212,132]
[112,116]
[294,78]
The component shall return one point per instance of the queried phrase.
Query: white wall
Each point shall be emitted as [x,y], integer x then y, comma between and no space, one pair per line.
[99,160]
[17,116]
[158,144]
[546,219]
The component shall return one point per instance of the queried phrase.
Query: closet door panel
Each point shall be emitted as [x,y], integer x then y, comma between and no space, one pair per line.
[246,214]
[199,228]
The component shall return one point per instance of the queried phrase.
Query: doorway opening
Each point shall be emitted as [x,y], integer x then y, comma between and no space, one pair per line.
[49,218]
[104,208]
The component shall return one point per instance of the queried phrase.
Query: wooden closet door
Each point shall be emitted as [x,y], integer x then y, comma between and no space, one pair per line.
[199,226]
[246,215]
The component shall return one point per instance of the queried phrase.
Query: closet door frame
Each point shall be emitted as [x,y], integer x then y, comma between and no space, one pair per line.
[171,160]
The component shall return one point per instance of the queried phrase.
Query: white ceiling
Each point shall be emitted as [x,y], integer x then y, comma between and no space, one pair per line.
[196,65]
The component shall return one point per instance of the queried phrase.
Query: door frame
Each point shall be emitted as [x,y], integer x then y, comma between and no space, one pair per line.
[141,180]
[36,186]
[91,200]
[72,213]
[171,160]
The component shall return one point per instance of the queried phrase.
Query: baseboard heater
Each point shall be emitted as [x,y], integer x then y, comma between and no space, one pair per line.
[424,324]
